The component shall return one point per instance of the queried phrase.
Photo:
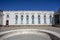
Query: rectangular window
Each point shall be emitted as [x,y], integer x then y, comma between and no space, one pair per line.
[16,19]
[21,19]
[50,19]
[38,19]
[27,19]
[32,19]
[44,19]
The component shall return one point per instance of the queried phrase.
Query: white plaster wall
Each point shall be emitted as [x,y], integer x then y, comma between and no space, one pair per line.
[24,13]
[4,18]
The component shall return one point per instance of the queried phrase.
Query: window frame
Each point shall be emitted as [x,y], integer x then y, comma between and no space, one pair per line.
[38,19]
[21,19]
[27,19]
[50,19]
[7,16]
[44,19]
[16,19]
[32,19]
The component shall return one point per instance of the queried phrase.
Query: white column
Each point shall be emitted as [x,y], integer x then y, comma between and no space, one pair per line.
[4,19]
[42,19]
[18,19]
[24,18]
[47,19]
[12,18]
[35,19]
[30,21]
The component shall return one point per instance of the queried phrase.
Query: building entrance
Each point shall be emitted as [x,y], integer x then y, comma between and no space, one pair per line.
[7,22]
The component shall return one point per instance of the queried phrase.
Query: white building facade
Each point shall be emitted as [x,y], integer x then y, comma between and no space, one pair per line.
[27,18]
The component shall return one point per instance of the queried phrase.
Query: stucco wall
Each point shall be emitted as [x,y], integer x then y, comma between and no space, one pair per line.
[30,13]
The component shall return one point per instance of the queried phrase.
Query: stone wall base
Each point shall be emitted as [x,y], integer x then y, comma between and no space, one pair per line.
[26,25]
[57,25]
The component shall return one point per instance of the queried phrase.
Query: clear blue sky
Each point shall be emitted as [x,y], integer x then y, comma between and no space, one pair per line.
[29,5]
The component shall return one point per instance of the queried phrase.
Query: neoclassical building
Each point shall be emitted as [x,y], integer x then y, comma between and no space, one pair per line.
[25,18]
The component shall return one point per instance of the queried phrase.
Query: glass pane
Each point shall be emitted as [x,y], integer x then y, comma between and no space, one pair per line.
[38,19]
[27,19]
[44,19]
[7,16]
[16,19]
[50,19]
[32,19]
[21,19]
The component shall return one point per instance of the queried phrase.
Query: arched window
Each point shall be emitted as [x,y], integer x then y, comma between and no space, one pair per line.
[32,19]
[27,19]
[50,19]
[21,19]
[44,19]
[7,16]
[16,19]
[38,19]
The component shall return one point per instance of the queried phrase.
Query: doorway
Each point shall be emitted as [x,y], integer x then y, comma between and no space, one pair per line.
[7,22]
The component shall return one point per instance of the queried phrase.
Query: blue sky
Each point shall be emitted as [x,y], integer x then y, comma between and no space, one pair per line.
[29,5]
